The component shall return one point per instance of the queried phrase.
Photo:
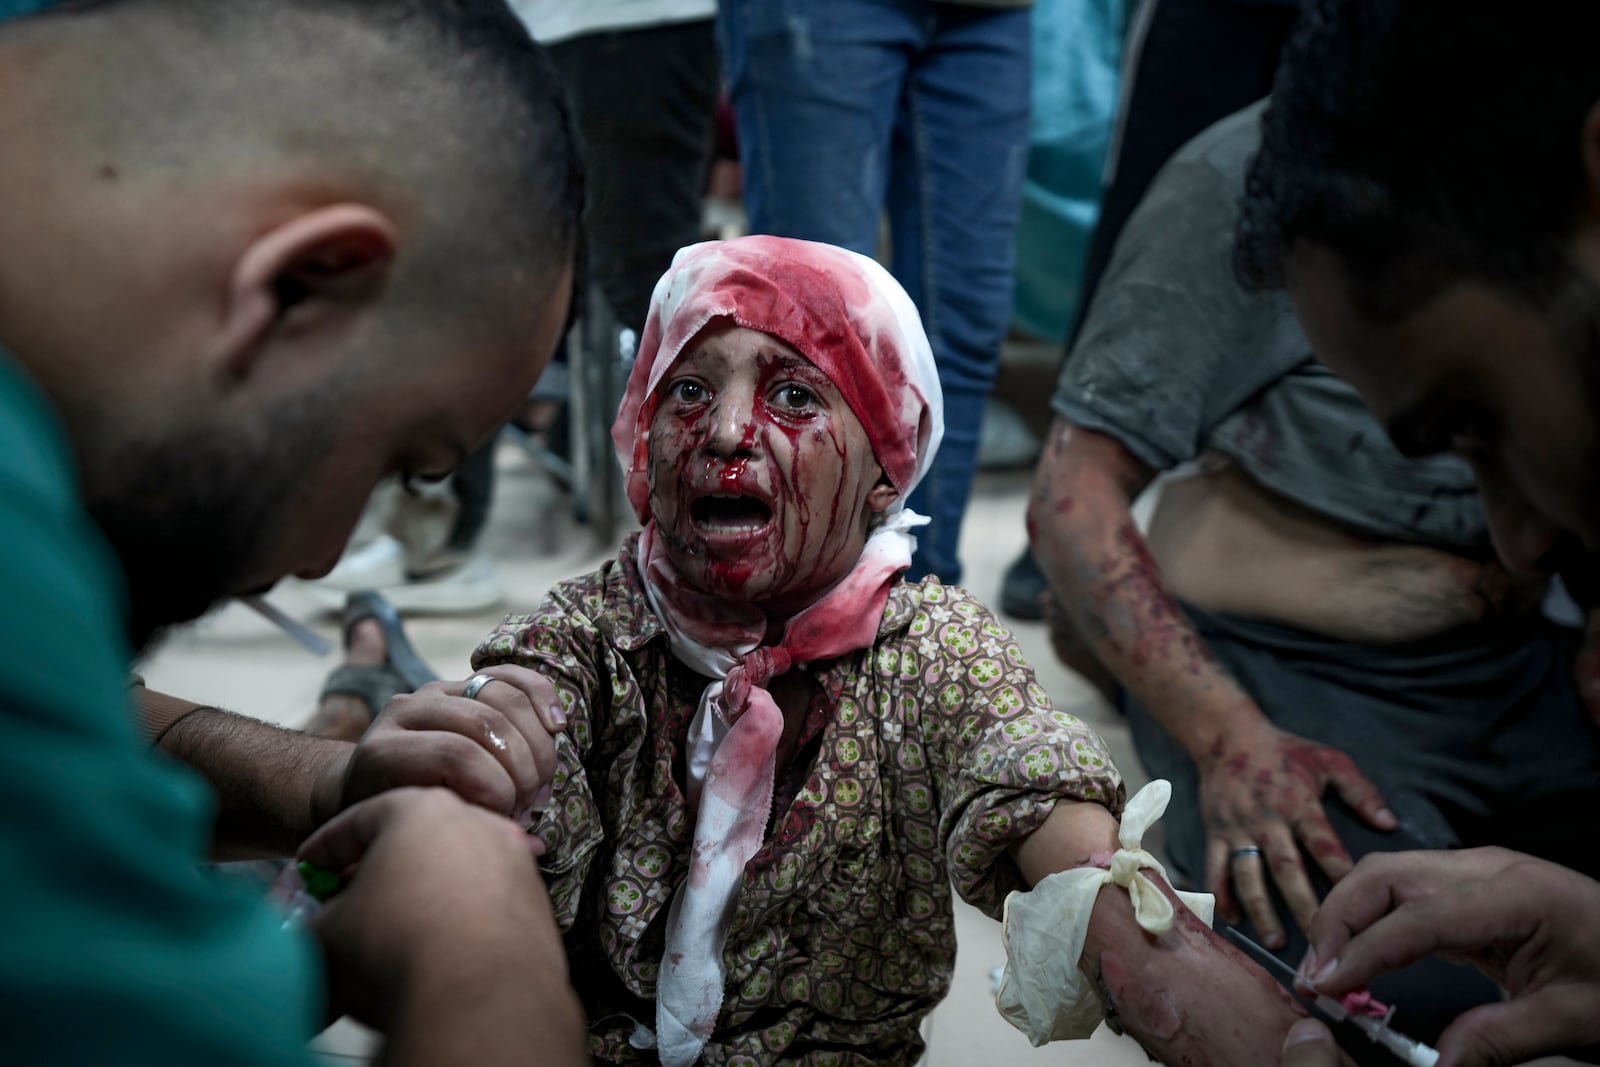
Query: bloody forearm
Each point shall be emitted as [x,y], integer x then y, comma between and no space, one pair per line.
[1104,576]
[1186,996]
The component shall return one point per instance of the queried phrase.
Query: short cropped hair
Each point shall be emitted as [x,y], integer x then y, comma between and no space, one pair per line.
[1425,142]
[450,96]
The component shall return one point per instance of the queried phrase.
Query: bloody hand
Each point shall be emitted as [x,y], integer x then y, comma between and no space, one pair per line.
[1263,788]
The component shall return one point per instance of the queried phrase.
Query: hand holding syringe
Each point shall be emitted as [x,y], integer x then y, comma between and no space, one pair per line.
[1357,1008]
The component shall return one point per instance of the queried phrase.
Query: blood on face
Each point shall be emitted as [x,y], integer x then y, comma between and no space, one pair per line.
[762,480]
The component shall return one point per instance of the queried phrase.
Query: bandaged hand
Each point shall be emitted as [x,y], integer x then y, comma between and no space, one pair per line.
[1121,944]
[496,750]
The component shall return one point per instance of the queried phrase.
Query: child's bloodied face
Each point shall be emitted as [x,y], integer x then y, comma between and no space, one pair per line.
[762,481]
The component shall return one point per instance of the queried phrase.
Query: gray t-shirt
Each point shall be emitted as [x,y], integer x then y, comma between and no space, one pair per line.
[1177,360]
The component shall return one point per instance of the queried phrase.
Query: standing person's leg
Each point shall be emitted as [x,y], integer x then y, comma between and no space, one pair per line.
[1189,63]
[960,154]
[644,101]
[472,484]
[1194,63]
[814,88]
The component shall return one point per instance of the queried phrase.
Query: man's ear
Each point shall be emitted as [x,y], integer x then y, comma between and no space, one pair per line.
[331,254]
[882,496]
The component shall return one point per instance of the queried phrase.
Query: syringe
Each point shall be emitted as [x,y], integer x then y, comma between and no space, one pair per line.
[1378,1032]
[1405,1049]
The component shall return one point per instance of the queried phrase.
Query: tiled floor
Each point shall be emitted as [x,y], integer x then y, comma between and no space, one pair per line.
[235,659]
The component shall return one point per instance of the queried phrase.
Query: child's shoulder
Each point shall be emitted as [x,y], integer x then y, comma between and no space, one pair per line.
[608,599]
[932,600]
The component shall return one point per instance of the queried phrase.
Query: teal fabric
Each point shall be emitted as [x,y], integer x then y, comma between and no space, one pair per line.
[1077,46]
[116,944]
[10,9]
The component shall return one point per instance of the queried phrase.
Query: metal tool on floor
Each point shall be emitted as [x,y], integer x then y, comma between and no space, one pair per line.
[307,638]
[1371,1018]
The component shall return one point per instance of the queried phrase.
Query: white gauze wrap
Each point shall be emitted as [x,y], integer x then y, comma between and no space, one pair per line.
[1043,993]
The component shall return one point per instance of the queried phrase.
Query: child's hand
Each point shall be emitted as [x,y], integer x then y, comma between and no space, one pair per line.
[496,750]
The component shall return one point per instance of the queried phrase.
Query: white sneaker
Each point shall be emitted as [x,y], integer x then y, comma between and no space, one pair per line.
[460,589]
[378,564]
[470,586]
[1005,442]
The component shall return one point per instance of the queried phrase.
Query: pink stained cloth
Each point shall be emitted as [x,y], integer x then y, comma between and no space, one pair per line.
[854,322]
[839,309]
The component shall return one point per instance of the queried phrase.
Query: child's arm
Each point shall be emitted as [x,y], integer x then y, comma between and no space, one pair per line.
[1186,996]
[562,643]
[1076,834]
[1026,791]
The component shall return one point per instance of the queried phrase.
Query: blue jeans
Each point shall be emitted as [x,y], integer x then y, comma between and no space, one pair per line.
[849,107]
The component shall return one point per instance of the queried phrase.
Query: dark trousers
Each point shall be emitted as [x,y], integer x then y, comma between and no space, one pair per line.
[473,486]
[644,101]
[1474,738]
[850,109]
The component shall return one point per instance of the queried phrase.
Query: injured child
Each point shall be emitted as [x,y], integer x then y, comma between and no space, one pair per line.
[779,755]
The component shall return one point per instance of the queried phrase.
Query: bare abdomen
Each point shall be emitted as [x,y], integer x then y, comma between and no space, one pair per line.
[1227,545]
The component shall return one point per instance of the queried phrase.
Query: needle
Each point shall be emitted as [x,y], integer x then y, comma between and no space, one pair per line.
[1408,1051]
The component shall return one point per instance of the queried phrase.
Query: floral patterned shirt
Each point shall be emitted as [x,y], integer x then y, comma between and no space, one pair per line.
[921,760]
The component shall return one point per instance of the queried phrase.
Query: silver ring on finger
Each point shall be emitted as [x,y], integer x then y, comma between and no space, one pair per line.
[1247,852]
[476,683]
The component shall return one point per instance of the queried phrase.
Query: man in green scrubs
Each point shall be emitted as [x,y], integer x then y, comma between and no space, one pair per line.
[258,254]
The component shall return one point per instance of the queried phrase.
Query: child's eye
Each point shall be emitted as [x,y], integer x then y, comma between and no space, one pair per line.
[687,390]
[795,398]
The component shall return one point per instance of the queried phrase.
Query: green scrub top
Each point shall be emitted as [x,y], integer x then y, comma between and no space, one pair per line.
[10,9]
[117,945]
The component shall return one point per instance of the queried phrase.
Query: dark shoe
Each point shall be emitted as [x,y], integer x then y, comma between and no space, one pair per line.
[373,684]
[1022,591]
[401,659]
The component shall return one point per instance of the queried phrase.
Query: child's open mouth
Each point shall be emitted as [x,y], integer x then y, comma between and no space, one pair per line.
[730,514]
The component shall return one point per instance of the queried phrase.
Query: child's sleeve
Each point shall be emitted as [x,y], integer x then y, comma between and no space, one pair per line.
[561,641]
[1002,753]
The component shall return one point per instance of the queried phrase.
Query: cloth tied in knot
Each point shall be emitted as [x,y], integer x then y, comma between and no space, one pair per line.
[754,671]
[1043,992]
